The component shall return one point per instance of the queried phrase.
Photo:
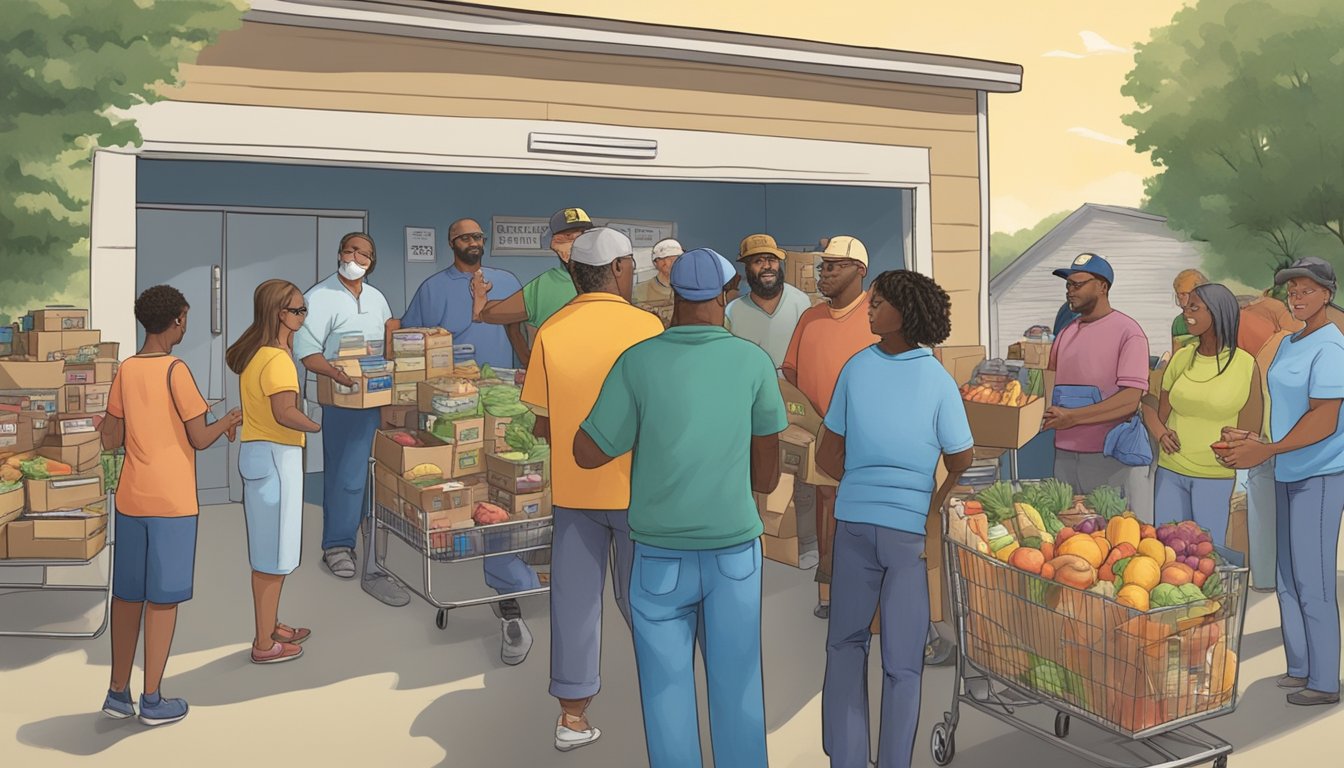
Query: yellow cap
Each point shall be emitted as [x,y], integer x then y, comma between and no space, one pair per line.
[845,247]
[758,244]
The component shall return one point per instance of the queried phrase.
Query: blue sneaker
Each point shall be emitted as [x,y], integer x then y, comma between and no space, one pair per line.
[161,711]
[119,705]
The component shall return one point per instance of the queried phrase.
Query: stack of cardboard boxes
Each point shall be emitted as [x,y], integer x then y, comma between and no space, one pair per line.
[800,271]
[54,386]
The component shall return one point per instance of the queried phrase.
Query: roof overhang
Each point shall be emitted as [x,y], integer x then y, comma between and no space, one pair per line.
[468,23]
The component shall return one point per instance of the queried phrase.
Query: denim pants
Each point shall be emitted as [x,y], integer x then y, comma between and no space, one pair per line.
[1308,540]
[874,566]
[1261,524]
[1207,501]
[584,542]
[675,595]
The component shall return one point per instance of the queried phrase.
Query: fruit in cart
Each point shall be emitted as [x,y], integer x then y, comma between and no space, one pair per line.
[1177,574]
[1064,535]
[1199,579]
[1103,545]
[1048,571]
[1027,559]
[1074,571]
[1222,664]
[1033,520]
[1206,566]
[1133,596]
[1122,551]
[1142,572]
[1152,548]
[1123,529]
[422,471]
[1147,531]
[10,474]
[1084,547]
[1204,548]
[1168,555]
[1005,552]
[486,513]
[1047,550]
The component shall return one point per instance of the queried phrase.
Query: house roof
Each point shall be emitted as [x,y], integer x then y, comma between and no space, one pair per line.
[1056,237]
[468,22]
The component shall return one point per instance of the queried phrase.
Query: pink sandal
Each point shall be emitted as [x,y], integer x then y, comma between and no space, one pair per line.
[278,653]
[287,634]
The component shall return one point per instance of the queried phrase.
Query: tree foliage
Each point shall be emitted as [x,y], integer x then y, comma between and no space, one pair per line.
[67,67]
[1005,247]
[1241,103]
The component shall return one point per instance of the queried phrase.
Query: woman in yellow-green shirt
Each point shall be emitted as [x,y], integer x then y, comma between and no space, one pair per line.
[1207,386]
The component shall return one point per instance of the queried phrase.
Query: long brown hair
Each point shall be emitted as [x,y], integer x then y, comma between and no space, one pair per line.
[269,298]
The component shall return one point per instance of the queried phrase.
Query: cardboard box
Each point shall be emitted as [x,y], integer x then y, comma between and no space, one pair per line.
[781,550]
[468,459]
[10,438]
[109,350]
[60,318]
[799,410]
[386,477]
[409,370]
[11,504]
[386,497]
[517,476]
[39,422]
[97,372]
[86,398]
[495,426]
[800,270]
[58,345]
[368,392]
[417,342]
[522,506]
[439,363]
[798,456]
[400,416]
[1033,354]
[72,492]
[1005,426]
[83,452]
[402,394]
[57,539]
[436,509]
[1155,380]
[27,375]
[469,431]
[456,398]
[48,401]
[960,361]
[399,458]
[778,514]
[4,541]
[68,424]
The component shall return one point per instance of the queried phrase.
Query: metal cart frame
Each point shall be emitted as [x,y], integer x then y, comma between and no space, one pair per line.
[455,546]
[44,584]
[1178,743]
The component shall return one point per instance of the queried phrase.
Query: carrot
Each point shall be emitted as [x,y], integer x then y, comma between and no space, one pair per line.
[59,468]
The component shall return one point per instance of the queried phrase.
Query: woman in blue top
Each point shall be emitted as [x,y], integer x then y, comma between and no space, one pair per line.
[885,451]
[1306,387]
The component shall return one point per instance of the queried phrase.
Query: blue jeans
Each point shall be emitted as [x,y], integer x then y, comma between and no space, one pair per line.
[673,594]
[347,442]
[585,542]
[1206,501]
[155,559]
[874,566]
[1260,524]
[1308,541]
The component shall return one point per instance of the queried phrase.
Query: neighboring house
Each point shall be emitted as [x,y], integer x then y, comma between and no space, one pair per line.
[1146,255]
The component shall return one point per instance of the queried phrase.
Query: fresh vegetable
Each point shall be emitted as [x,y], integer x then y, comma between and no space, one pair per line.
[518,438]
[403,438]
[1177,574]
[1107,570]
[1027,559]
[1142,572]
[487,372]
[41,468]
[1084,547]
[1029,522]
[1106,501]
[1152,548]
[1033,542]
[1005,552]
[1165,595]
[998,502]
[1134,596]
[489,514]
[10,474]
[1074,571]
[1048,677]
[1123,529]
[6,487]
[1213,586]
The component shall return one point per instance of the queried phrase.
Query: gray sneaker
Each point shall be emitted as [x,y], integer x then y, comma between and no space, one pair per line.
[516,638]
[1307,697]
[386,590]
[340,561]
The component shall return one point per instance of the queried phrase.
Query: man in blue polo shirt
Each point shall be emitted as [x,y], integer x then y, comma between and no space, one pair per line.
[444,301]
[701,411]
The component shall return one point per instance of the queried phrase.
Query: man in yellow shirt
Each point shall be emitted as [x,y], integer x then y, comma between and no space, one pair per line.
[572,354]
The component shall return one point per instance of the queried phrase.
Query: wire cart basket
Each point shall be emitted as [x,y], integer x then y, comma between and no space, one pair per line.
[1146,679]
[454,546]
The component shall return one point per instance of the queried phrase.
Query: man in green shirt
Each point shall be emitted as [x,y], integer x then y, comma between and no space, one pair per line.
[701,412]
[541,297]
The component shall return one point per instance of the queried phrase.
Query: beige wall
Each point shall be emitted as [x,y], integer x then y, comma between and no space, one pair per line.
[271,65]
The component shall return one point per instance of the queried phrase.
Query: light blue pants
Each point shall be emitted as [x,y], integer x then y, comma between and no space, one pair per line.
[272,505]
[673,595]
[874,566]
[1309,514]
[585,541]
[1261,524]
[1207,501]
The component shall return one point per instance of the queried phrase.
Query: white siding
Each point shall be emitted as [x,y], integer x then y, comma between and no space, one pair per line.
[1146,256]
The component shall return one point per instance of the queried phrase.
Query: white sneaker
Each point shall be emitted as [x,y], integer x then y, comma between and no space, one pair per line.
[567,738]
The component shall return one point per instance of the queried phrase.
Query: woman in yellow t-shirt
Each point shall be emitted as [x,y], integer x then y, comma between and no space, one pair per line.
[271,458]
[1208,385]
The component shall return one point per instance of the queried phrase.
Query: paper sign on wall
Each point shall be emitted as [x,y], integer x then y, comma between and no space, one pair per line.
[420,244]
[522,235]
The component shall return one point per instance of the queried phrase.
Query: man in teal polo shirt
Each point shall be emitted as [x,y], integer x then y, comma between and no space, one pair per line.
[701,411]
[544,294]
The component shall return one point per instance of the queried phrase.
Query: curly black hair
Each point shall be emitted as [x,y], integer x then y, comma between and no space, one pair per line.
[588,278]
[926,309]
[158,307]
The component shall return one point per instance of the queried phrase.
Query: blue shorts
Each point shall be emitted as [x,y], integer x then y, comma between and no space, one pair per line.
[154,559]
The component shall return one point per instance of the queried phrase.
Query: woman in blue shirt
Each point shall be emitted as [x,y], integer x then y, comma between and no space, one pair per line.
[885,451]
[1306,387]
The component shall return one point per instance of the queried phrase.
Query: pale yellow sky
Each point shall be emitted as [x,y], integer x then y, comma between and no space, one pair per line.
[1053,146]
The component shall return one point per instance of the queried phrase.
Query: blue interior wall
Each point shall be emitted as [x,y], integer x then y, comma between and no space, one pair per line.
[711,214]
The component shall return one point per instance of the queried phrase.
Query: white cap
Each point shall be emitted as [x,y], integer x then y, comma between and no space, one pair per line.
[600,246]
[665,248]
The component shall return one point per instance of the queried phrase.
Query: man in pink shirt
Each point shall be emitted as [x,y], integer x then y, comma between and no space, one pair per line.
[1100,362]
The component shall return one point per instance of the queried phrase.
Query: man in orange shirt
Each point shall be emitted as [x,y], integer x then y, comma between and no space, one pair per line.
[826,337]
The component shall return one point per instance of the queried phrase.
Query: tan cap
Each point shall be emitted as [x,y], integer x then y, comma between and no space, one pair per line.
[845,247]
[753,245]
[666,248]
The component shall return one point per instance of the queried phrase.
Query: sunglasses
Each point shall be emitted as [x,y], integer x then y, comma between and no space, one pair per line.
[296,311]
[472,237]
[1077,285]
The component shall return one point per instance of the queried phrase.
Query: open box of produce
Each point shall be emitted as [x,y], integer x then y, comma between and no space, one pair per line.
[1133,627]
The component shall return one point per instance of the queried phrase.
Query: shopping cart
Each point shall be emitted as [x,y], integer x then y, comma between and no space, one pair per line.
[457,546]
[45,583]
[1147,678]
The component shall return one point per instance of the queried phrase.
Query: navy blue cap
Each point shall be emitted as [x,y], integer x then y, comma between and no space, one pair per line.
[701,274]
[1091,264]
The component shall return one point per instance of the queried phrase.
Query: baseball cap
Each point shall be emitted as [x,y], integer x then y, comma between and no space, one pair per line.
[753,245]
[1310,267]
[1091,264]
[701,274]
[564,220]
[665,248]
[845,247]
[600,246]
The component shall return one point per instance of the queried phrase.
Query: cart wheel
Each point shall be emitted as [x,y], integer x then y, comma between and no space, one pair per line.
[943,745]
[1220,762]
[441,620]
[1061,725]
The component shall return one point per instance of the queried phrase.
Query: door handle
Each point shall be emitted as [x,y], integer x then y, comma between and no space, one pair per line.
[216,300]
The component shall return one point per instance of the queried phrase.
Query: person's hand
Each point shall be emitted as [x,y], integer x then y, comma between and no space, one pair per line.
[1059,418]
[1231,434]
[1243,454]
[480,294]
[340,377]
[1171,442]
[231,420]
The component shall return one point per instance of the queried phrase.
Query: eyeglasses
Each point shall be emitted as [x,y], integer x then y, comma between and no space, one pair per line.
[472,237]
[834,265]
[1076,285]
[296,311]
[356,252]
[1302,294]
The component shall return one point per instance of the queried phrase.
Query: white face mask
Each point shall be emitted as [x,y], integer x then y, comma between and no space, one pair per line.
[352,271]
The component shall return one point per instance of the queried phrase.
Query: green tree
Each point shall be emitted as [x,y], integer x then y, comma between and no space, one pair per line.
[1005,247]
[1240,105]
[67,68]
